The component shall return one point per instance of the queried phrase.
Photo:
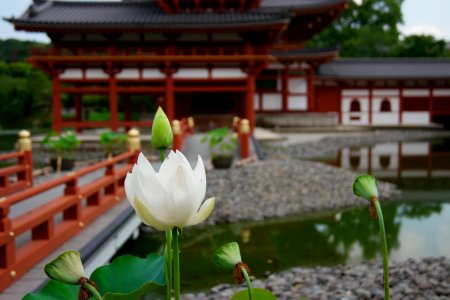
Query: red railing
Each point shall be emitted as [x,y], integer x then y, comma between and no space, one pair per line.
[242,128]
[181,129]
[60,218]
[20,175]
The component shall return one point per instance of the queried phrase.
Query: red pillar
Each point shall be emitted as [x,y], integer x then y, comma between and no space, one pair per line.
[370,106]
[400,107]
[249,112]
[56,102]
[169,97]
[430,105]
[113,101]
[311,89]
[285,87]
[78,110]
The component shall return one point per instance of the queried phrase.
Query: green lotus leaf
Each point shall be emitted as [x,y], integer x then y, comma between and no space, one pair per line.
[129,277]
[260,294]
[54,290]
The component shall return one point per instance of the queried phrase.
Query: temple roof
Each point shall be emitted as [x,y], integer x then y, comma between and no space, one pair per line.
[386,68]
[310,55]
[51,15]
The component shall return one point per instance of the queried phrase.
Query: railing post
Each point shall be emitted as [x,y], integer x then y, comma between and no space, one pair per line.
[7,250]
[134,144]
[73,212]
[27,159]
[191,125]
[177,135]
[244,138]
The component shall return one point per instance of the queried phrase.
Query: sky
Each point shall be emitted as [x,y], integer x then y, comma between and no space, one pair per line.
[420,17]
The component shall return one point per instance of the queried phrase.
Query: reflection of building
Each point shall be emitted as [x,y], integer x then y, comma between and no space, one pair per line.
[409,159]
[216,57]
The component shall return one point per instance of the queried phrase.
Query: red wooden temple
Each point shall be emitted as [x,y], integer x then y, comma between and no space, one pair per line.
[212,58]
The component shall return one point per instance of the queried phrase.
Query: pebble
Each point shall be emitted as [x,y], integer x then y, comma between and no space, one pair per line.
[350,282]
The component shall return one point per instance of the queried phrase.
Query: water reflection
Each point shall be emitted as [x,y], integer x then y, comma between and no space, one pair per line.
[409,164]
[348,237]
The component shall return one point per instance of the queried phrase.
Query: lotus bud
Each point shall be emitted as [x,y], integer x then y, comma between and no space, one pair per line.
[365,186]
[67,268]
[162,135]
[227,256]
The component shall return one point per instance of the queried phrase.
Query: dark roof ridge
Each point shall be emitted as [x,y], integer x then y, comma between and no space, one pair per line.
[390,59]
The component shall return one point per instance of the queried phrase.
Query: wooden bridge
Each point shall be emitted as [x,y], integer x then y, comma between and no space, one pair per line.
[38,221]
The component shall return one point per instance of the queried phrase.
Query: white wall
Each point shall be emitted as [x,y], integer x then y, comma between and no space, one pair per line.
[413,118]
[297,103]
[272,102]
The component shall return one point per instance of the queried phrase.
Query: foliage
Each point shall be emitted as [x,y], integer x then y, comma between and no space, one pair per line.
[112,141]
[12,50]
[365,30]
[61,144]
[127,277]
[420,46]
[220,140]
[24,96]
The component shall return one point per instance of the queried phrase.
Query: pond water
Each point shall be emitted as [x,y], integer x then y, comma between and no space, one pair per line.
[416,226]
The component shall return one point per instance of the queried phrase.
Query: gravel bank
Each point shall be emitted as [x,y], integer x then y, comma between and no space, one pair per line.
[427,278]
[275,188]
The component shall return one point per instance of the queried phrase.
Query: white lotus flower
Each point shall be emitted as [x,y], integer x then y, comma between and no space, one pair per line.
[171,198]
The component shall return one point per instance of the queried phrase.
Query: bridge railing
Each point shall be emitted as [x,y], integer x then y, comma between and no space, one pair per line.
[181,129]
[22,171]
[242,128]
[51,224]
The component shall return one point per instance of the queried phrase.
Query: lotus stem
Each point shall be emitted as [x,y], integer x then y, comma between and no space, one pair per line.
[384,248]
[176,264]
[249,283]
[168,264]
[167,250]
[93,290]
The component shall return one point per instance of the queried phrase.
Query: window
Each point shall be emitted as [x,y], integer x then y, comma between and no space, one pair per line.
[385,105]
[355,106]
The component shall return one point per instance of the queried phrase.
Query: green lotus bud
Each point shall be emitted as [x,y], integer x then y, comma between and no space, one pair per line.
[365,186]
[162,135]
[228,256]
[67,268]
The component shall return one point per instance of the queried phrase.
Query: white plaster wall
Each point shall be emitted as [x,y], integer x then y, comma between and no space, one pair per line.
[128,74]
[256,102]
[411,118]
[297,103]
[385,118]
[417,148]
[297,85]
[71,74]
[441,92]
[96,74]
[191,73]
[363,115]
[228,73]
[272,102]
[385,92]
[152,74]
[353,93]
[376,103]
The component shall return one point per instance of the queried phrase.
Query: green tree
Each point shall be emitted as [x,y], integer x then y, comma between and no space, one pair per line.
[12,50]
[369,29]
[420,46]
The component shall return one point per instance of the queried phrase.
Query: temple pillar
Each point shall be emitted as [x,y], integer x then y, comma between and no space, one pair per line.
[113,102]
[56,101]
[311,90]
[169,99]
[249,111]
[285,88]
[78,111]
